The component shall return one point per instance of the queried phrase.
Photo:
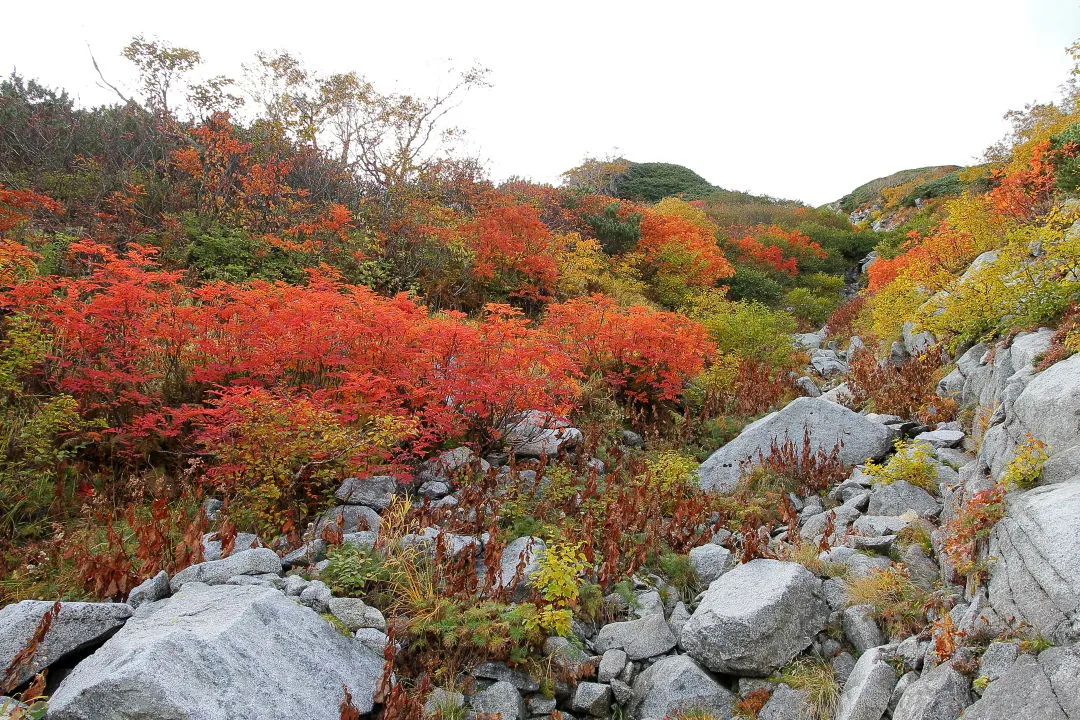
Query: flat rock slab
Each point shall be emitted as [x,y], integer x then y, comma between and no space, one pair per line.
[221,652]
[1036,578]
[215,572]
[1043,688]
[828,424]
[79,625]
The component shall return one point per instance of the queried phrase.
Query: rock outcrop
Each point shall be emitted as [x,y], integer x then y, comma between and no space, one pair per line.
[1036,575]
[828,424]
[220,652]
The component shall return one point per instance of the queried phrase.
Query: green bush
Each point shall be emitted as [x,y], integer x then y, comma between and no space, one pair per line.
[747,328]
[752,284]
[40,436]
[652,182]
[616,236]
[1067,169]
[809,306]
[218,252]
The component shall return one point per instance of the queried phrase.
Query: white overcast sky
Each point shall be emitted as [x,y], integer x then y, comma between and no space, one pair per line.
[802,99]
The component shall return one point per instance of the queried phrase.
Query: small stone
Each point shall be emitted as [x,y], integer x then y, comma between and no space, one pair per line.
[294,585]
[500,699]
[539,705]
[434,489]
[348,519]
[940,694]
[373,639]
[680,615]
[354,614]
[622,691]
[867,691]
[611,664]
[317,596]
[648,637]
[898,497]
[150,590]
[842,665]
[902,685]
[786,703]
[568,657]
[835,591]
[364,539]
[878,525]
[808,386]
[997,659]
[860,628]
[710,562]
[444,702]
[501,672]
[941,438]
[676,683]
[592,698]
[648,602]
[307,554]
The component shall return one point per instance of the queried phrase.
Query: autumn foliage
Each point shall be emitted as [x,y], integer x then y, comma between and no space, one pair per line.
[645,355]
[776,248]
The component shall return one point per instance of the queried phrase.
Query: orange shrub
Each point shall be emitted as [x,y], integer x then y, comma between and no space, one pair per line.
[645,355]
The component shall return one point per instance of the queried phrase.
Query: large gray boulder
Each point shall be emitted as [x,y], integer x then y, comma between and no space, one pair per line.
[538,434]
[1045,406]
[828,424]
[78,626]
[755,618]
[215,572]
[677,683]
[220,652]
[1044,688]
[868,689]
[941,694]
[376,491]
[1036,575]
[1048,407]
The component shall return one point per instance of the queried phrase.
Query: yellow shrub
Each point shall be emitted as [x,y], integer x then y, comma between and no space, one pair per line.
[911,463]
[672,471]
[1024,470]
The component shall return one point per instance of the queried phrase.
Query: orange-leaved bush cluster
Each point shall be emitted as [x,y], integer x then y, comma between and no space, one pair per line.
[154,357]
[645,355]
[776,249]
[676,247]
